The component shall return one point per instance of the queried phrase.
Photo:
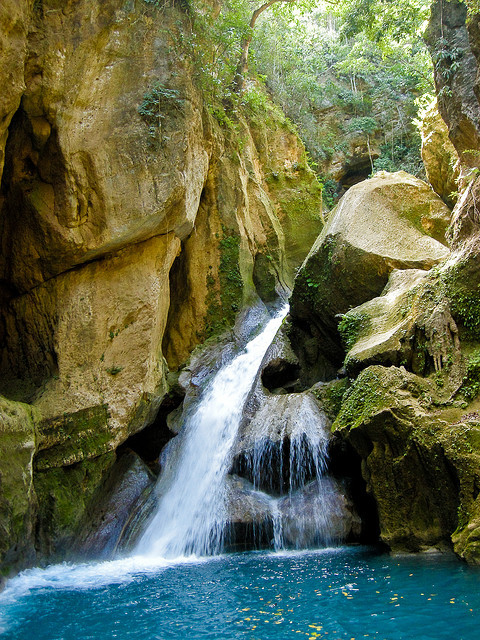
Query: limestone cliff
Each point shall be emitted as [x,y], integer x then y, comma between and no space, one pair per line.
[134,225]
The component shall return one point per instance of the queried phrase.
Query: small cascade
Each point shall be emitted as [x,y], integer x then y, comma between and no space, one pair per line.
[283,453]
[190,515]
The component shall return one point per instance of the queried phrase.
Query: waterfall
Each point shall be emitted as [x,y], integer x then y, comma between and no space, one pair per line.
[282,452]
[190,515]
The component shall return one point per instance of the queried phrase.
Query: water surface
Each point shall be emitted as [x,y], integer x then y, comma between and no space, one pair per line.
[334,593]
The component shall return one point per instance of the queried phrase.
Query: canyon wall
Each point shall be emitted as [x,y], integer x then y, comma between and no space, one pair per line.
[134,226]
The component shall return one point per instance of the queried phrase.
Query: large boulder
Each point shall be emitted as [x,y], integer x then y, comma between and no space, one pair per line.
[249,515]
[282,442]
[319,514]
[392,221]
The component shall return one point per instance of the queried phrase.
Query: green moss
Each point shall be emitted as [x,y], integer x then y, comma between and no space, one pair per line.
[63,496]
[331,396]
[73,437]
[224,299]
[231,283]
[471,382]
[463,292]
[352,326]
[316,274]
[360,401]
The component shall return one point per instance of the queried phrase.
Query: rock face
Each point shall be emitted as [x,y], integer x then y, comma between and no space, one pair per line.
[392,221]
[439,156]
[454,49]
[17,499]
[133,225]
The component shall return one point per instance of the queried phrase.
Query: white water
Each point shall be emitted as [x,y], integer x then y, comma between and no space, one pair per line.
[311,509]
[191,512]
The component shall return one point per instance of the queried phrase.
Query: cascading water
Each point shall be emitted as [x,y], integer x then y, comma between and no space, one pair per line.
[190,516]
[283,453]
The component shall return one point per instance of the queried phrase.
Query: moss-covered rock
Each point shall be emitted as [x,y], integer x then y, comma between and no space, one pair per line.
[73,437]
[64,494]
[18,501]
[420,459]
[410,324]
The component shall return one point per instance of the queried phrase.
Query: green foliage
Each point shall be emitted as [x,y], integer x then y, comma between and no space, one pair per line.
[335,88]
[471,382]
[363,124]
[401,154]
[255,100]
[113,371]
[329,191]
[384,21]
[155,104]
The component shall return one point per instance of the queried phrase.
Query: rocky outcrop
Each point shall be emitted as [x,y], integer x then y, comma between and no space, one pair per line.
[439,156]
[420,459]
[392,221]
[454,53]
[18,502]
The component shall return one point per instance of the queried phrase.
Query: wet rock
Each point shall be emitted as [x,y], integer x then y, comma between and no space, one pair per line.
[319,514]
[249,522]
[282,442]
[106,518]
[18,500]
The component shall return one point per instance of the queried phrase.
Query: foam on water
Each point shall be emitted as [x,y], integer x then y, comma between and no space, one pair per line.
[90,575]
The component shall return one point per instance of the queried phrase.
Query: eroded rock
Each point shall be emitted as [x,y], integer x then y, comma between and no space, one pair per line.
[420,459]
[392,221]
[18,501]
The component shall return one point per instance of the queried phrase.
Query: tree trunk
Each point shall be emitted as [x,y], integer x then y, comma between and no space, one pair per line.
[238,84]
